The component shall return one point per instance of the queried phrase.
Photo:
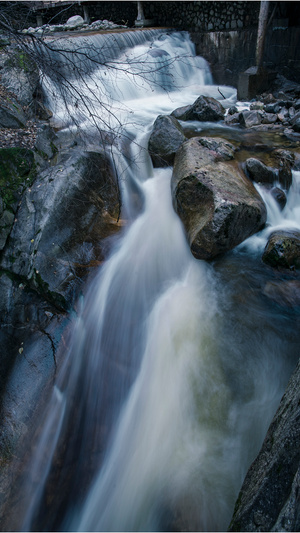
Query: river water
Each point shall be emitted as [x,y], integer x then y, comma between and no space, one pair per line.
[175,366]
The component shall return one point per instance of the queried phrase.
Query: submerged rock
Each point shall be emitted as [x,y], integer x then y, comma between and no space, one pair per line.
[280,196]
[166,137]
[269,498]
[217,204]
[283,249]
[285,293]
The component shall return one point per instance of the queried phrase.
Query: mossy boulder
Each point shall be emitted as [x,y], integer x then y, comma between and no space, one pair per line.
[17,172]
[283,249]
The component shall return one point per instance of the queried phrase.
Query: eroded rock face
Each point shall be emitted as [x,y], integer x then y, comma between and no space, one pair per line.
[269,498]
[283,249]
[60,222]
[166,137]
[217,203]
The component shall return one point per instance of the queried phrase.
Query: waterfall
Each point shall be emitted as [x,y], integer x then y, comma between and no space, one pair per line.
[171,375]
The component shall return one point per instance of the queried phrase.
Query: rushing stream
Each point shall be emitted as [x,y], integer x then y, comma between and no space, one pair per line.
[174,367]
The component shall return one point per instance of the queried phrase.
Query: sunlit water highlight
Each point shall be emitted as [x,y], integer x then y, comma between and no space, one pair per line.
[167,374]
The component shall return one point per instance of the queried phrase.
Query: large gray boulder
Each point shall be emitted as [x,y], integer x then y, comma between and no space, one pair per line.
[269,498]
[74,22]
[166,137]
[217,203]
[61,220]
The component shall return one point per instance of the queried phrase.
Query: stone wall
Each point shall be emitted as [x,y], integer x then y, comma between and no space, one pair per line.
[204,16]
[224,32]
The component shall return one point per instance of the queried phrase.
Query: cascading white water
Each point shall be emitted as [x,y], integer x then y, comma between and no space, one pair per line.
[288,218]
[178,383]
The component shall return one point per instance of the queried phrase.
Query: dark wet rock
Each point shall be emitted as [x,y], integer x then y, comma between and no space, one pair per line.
[61,220]
[22,312]
[232,110]
[292,113]
[285,293]
[269,118]
[232,119]
[284,160]
[283,249]
[47,143]
[296,124]
[6,223]
[204,109]
[248,119]
[259,172]
[17,172]
[273,108]
[279,195]
[217,204]
[269,498]
[41,111]
[166,137]
[283,115]
[30,333]
[12,115]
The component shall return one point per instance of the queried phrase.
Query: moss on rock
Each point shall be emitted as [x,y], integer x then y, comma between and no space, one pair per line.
[17,172]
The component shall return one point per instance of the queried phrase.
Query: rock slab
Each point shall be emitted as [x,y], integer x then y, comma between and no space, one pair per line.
[269,498]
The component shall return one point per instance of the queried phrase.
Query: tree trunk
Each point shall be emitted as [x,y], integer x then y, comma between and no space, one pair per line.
[261,32]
